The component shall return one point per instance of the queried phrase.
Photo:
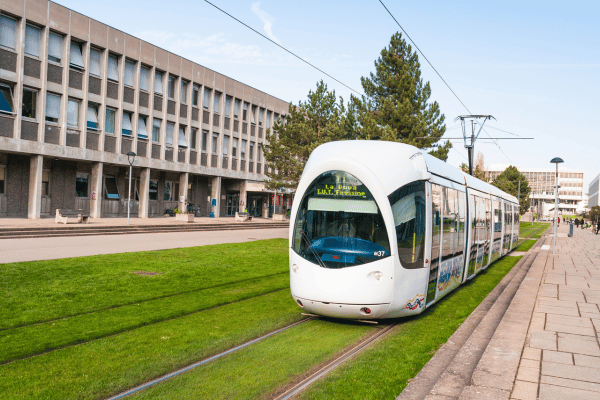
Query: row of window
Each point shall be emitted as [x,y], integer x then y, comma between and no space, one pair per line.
[76,60]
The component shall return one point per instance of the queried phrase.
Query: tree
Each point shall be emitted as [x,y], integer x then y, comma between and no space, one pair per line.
[508,181]
[308,125]
[398,99]
[594,214]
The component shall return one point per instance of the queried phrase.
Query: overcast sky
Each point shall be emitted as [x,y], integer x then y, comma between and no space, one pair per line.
[533,65]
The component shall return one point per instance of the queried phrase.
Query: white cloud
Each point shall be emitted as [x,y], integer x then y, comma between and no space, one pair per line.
[267,20]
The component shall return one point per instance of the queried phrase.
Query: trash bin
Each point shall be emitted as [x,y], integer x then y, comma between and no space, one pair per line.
[571,229]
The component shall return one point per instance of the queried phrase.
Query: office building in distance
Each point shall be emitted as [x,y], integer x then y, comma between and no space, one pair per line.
[593,192]
[76,96]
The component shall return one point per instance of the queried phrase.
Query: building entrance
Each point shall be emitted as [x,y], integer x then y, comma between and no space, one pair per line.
[255,205]
[232,201]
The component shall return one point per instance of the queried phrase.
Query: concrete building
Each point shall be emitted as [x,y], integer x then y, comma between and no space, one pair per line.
[76,96]
[593,192]
[542,182]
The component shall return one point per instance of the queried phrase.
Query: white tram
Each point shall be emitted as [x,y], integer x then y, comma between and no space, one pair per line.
[384,230]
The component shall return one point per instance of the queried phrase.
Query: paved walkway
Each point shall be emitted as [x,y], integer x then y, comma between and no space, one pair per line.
[561,355]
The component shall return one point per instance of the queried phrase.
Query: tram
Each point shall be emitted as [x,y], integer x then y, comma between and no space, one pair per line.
[384,230]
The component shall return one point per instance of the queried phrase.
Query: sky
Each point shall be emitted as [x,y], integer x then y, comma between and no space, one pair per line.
[533,65]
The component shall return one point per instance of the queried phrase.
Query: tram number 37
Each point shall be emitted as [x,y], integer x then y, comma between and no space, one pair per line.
[379,253]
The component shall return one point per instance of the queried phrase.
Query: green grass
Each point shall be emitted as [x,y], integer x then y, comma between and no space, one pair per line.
[525,245]
[256,371]
[34,339]
[526,229]
[40,291]
[383,371]
[104,367]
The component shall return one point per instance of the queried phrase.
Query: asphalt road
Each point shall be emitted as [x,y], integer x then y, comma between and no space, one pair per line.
[16,250]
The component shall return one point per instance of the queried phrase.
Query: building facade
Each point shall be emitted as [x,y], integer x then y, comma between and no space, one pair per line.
[542,183]
[76,96]
[593,192]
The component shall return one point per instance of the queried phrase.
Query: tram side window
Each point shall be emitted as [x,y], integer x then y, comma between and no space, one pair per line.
[461,212]
[408,208]
[436,225]
[449,228]
[497,220]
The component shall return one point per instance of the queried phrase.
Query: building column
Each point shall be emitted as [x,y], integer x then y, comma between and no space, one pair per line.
[183,188]
[144,192]
[34,204]
[96,186]
[243,197]
[215,196]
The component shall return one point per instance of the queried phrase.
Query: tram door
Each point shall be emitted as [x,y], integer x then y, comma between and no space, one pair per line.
[232,201]
[436,233]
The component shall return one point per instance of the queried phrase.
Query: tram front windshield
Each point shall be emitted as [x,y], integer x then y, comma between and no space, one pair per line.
[339,224]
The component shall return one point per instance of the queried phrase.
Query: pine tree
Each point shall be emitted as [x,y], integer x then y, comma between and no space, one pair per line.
[508,181]
[400,99]
[308,125]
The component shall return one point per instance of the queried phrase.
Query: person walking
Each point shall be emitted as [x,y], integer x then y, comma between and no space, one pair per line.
[558,221]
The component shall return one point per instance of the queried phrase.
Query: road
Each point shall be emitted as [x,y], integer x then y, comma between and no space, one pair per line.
[17,250]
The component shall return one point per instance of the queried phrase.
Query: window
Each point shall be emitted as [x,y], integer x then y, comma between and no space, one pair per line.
[109,125]
[244,149]
[52,107]
[158,85]
[217,103]
[142,132]
[111,191]
[225,145]
[204,141]
[236,109]
[76,55]
[113,68]
[253,115]
[449,224]
[215,142]
[144,78]
[54,47]
[2,179]
[153,190]
[245,112]
[268,119]
[32,40]
[182,138]
[73,113]
[234,147]
[28,110]
[195,94]
[227,106]
[183,94]
[260,116]
[171,88]
[206,101]
[436,211]
[129,73]
[8,28]
[156,123]
[251,151]
[92,116]
[6,98]
[45,182]
[126,128]
[169,137]
[259,153]
[95,61]
[81,185]
[194,139]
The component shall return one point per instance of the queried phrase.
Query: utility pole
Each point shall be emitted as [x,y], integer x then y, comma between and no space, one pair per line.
[470,140]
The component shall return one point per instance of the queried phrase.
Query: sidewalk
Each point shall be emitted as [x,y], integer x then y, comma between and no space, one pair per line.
[561,356]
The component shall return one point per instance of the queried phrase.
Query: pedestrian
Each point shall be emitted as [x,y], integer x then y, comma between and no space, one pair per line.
[576,222]
[558,221]
[597,227]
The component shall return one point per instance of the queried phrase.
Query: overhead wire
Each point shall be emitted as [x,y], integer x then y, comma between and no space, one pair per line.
[289,51]
[438,74]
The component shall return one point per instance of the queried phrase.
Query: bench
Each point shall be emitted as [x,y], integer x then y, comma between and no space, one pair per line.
[242,216]
[63,215]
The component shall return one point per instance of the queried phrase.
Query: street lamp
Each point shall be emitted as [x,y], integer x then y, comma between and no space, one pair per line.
[555,160]
[131,158]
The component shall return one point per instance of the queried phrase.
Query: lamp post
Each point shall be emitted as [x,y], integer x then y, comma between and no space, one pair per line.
[131,158]
[555,160]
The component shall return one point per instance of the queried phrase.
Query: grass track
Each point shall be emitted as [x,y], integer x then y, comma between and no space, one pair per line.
[256,371]
[104,367]
[525,245]
[383,371]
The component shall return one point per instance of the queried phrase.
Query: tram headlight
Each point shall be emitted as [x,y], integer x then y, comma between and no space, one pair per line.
[377,275]
[295,267]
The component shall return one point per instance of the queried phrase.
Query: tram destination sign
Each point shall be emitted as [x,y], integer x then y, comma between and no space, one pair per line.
[342,185]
